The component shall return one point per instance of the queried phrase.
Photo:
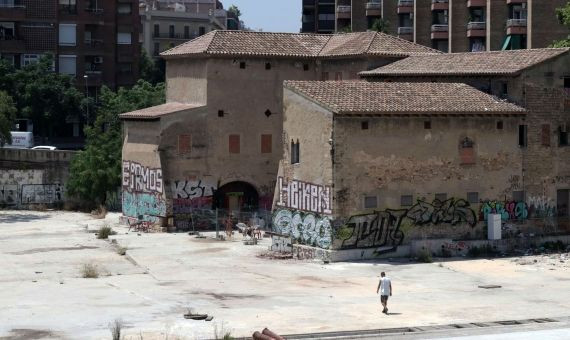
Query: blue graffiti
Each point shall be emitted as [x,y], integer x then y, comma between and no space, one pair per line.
[150,206]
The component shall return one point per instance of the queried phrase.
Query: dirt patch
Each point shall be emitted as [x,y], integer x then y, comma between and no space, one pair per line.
[228,296]
[27,334]
[208,250]
[47,250]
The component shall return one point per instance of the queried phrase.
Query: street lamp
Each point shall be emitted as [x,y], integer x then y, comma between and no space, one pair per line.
[86,77]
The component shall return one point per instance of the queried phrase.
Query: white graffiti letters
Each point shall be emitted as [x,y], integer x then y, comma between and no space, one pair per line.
[139,178]
[304,227]
[193,189]
[304,196]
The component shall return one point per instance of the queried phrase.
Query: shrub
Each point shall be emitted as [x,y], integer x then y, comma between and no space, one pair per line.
[115,328]
[425,256]
[104,232]
[89,271]
[122,250]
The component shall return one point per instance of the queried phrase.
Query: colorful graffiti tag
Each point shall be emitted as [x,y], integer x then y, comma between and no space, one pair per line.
[143,192]
[139,178]
[509,210]
[149,206]
[304,196]
[378,230]
[189,196]
[306,228]
[452,211]
[541,207]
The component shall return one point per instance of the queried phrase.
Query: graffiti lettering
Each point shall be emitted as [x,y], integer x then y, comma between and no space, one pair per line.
[541,207]
[149,206]
[304,196]
[139,178]
[450,211]
[378,230]
[42,193]
[458,246]
[281,244]
[9,194]
[509,210]
[193,189]
[305,228]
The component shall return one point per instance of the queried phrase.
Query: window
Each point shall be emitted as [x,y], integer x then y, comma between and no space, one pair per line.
[28,59]
[7,31]
[504,90]
[124,38]
[477,44]
[545,134]
[325,76]
[156,49]
[242,65]
[184,144]
[441,45]
[567,86]
[563,135]
[427,125]
[186,32]
[156,30]
[364,125]
[125,68]
[370,202]
[295,152]
[201,30]
[406,200]
[522,136]
[171,31]
[518,196]
[220,113]
[500,125]
[441,197]
[338,76]
[268,66]
[266,143]
[473,197]
[66,6]
[234,143]
[68,64]
[562,200]
[305,67]
[124,8]
[67,34]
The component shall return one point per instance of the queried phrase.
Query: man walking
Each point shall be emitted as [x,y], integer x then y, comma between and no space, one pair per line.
[385,289]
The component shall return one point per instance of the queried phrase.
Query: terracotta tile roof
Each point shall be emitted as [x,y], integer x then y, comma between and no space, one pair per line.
[156,112]
[479,63]
[377,98]
[246,43]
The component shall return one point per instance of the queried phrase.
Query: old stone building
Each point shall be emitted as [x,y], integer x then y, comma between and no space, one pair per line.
[384,163]
[216,143]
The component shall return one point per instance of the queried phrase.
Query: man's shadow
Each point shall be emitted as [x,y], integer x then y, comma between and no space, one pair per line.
[393,313]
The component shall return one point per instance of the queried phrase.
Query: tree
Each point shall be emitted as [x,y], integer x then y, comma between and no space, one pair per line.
[7,117]
[563,15]
[96,171]
[380,25]
[152,71]
[235,10]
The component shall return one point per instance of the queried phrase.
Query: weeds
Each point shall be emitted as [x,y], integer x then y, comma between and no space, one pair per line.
[89,271]
[104,232]
[115,328]
[425,256]
[222,333]
[122,250]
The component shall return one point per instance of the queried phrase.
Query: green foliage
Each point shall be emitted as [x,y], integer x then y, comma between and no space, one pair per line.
[380,25]
[7,117]
[235,10]
[482,251]
[346,29]
[104,232]
[96,171]
[424,256]
[563,16]
[151,70]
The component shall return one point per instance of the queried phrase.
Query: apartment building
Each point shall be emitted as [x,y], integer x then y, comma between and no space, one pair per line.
[449,25]
[167,24]
[95,41]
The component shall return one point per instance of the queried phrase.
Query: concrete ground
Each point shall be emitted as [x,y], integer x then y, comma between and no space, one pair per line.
[42,293]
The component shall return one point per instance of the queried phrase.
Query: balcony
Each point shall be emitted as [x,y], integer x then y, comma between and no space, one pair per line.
[476,3]
[343,12]
[516,26]
[476,29]
[373,9]
[405,6]
[440,31]
[94,46]
[308,3]
[406,33]
[176,36]
[94,10]
[12,45]
[516,2]
[439,5]
[14,10]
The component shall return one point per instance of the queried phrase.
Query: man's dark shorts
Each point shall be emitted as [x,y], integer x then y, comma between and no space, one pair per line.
[383,298]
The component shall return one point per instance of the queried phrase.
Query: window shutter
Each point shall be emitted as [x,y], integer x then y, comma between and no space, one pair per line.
[545,134]
[67,64]
[67,34]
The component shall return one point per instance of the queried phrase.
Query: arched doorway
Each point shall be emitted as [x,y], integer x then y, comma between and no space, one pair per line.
[237,197]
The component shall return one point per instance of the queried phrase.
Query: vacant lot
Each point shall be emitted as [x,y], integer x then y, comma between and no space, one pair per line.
[43,293]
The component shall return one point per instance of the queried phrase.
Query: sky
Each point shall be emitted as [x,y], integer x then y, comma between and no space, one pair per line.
[269,15]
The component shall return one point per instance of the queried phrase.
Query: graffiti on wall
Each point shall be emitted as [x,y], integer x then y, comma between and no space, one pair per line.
[509,210]
[188,196]
[9,194]
[380,229]
[306,228]
[193,189]
[541,207]
[139,178]
[42,193]
[452,211]
[142,192]
[304,196]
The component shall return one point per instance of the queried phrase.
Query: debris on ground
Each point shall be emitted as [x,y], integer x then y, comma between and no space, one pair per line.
[490,286]
[275,255]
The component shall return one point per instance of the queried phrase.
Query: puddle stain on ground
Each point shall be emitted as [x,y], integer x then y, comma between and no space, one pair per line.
[26,334]
[227,296]
[207,250]
[47,250]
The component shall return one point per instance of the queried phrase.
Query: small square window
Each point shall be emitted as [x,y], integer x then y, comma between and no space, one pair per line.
[562,136]
[406,200]
[220,113]
[242,64]
[441,197]
[518,196]
[305,67]
[268,66]
[427,124]
[473,197]
[364,125]
[500,125]
[370,202]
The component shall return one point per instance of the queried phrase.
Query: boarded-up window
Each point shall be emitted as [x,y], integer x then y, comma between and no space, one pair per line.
[234,142]
[473,197]
[466,152]
[338,76]
[545,135]
[266,141]
[370,202]
[184,144]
